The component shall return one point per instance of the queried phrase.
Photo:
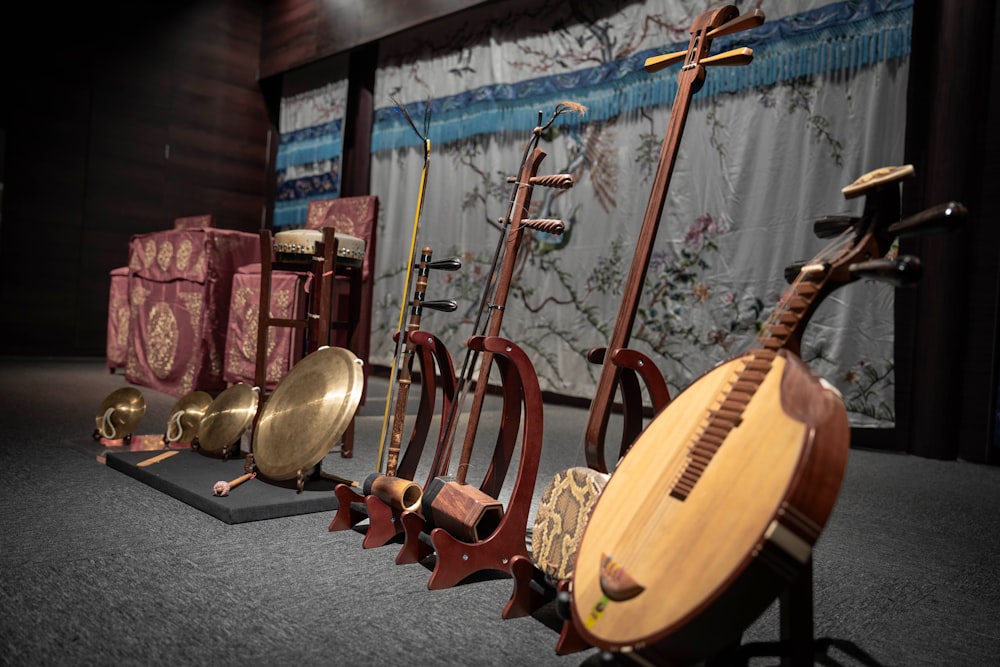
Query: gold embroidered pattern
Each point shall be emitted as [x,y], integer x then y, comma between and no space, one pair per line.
[184,254]
[161,341]
[193,303]
[165,254]
[149,253]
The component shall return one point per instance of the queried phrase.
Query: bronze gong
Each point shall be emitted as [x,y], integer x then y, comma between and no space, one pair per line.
[120,413]
[184,422]
[308,413]
[228,418]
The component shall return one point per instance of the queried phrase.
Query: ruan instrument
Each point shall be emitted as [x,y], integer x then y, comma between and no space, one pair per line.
[706,27]
[715,510]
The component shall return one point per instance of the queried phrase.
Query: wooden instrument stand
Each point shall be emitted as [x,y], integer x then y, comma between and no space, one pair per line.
[457,559]
[383,520]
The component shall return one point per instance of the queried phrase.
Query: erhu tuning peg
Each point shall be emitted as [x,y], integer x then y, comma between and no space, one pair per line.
[548,226]
[444,305]
[450,264]
[558,181]
[656,63]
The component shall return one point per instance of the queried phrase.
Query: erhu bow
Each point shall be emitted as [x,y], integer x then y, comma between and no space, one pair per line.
[705,28]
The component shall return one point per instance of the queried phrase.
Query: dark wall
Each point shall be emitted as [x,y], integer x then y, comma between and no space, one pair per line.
[115,125]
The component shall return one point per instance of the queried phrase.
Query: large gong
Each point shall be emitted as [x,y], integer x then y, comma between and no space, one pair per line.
[227,418]
[308,413]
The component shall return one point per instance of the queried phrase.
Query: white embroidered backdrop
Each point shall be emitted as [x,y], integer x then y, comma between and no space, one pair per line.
[766,150]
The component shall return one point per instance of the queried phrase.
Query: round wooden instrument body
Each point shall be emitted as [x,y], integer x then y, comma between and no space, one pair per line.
[308,413]
[565,506]
[708,565]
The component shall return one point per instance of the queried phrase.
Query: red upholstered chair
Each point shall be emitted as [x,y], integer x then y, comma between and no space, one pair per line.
[180,283]
[290,296]
[118,314]
[118,305]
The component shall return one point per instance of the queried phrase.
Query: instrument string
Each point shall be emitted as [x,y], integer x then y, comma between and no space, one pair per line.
[404,301]
[488,303]
[636,533]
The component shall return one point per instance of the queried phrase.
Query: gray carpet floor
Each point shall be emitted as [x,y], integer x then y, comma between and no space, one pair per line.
[99,568]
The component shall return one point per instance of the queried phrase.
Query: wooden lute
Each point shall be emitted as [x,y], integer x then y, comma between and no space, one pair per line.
[716,508]
[706,27]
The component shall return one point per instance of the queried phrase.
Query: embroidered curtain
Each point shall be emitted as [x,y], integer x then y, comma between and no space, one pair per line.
[308,162]
[766,150]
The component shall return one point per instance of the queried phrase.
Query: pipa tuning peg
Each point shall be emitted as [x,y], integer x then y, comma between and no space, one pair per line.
[834,225]
[940,218]
[901,271]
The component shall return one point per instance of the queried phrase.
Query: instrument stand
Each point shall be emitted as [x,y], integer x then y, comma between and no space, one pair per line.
[458,559]
[532,590]
[384,521]
[795,648]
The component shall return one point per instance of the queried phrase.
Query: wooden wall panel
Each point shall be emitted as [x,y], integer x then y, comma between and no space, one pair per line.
[131,129]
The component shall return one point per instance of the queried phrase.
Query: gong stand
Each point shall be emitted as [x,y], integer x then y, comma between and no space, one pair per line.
[625,377]
[522,404]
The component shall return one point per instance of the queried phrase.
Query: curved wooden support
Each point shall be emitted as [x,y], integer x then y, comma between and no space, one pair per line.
[456,559]
[384,521]
[633,366]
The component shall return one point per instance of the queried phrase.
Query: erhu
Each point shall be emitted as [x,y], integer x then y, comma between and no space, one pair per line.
[451,500]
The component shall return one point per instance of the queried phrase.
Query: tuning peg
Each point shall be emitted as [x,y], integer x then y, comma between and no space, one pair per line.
[834,225]
[656,63]
[877,177]
[450,264]
[902,271]
[792,271]
[548,226]
[940,218]
[445,305]
[740,56]
[738,24]
[558,181]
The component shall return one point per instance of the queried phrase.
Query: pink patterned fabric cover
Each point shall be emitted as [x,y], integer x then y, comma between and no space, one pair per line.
[355,216]
[118,314]
[288,291]
[179,292]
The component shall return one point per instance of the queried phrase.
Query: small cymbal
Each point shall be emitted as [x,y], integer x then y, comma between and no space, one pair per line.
[120,413]
[185,418]
[228,417]
[308,412]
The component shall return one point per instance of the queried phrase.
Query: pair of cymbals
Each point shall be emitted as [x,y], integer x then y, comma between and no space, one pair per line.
[228,417]
[184,423]
[120,413]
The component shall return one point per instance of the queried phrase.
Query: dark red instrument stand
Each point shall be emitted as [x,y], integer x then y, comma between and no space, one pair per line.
[384,521]
[458,559]
[532,590]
